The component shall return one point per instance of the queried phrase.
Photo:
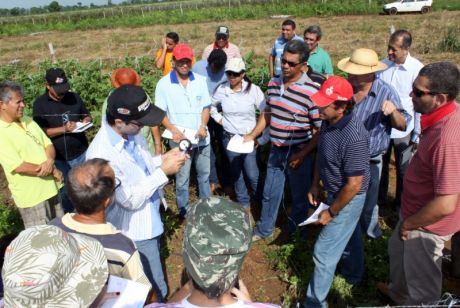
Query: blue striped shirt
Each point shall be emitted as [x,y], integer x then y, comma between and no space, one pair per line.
[369,112]
[293,114]
[343,151]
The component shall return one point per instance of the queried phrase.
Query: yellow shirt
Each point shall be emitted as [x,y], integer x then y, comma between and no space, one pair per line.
[168,65]
[18,145]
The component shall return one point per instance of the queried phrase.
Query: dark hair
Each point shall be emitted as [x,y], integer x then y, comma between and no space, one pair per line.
[348,105]
[217,58]
[314,29]
[443,77]
[8,87]
[88,186]
[110,118]
[297,47]
[289,22]
[213,291]
[174,36]
[406,38]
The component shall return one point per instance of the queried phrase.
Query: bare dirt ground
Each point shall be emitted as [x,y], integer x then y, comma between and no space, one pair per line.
[342,34]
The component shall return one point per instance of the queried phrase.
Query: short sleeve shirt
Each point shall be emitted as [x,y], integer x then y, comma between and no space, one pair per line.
[277,51]
[320,61]
[27,144]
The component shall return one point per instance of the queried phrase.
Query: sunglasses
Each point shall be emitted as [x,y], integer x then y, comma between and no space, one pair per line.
[117,184]
[419,93]
[180,63]
[233,74]
[221,37]
[139,125]
[291,64]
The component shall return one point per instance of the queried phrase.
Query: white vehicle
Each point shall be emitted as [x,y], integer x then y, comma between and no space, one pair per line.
[403,6]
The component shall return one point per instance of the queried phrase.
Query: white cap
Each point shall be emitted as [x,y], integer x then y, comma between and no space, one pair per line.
[235,65]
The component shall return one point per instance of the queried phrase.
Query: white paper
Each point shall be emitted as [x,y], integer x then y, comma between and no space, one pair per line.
[132,294]
[189,133]
[81,127]
[237,145]
[315,216]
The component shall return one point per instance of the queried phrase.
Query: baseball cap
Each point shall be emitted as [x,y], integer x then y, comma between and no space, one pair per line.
[130,102]
[335,88]
[235,65]
[182,51]
[216,239]
[56,78]
[222,30]
[124,75]
[48,267]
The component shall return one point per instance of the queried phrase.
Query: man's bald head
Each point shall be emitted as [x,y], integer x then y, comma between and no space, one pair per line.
[90,185]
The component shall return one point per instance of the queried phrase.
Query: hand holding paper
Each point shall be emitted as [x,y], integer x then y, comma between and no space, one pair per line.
[315,216]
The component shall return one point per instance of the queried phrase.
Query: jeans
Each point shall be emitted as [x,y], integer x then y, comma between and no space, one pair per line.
[238,162]
[64,166]
[329,247]
[149,251]
[217,148]
[299,181]
[200,155]
[370,217]
[399,145]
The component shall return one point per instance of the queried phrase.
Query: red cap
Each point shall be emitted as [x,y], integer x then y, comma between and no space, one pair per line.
[182,51]
[333,89]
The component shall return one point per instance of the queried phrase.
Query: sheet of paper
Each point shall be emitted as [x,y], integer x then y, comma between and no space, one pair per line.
[237,145]
[81,127]
[189,133]
[314,217]
[132,294]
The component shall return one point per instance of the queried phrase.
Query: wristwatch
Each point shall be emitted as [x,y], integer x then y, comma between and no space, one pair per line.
[331,213]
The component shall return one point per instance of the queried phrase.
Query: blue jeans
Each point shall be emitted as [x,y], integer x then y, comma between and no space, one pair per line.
[149,251]
[201,157]
[64,166]
[329,247]
[238,162]
[370,217]
[299,181]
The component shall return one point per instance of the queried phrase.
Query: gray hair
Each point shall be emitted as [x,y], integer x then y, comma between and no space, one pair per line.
[7,88]
[314,29]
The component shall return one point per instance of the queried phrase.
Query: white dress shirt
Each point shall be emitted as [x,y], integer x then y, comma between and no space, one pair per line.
[134,212]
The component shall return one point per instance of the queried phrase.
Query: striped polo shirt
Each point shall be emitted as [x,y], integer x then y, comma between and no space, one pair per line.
[293,114]
[343,151]
[369,112]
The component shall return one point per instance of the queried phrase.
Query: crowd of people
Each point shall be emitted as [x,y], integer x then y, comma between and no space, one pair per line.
[93,210]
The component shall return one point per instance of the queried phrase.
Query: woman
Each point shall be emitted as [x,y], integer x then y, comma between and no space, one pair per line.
[239,99]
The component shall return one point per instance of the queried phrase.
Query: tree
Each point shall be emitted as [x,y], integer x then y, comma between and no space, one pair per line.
[54,6]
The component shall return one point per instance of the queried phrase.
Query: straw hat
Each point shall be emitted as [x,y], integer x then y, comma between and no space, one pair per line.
[362,61]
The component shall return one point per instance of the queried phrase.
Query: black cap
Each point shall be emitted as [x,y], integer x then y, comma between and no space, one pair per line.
[56,78]
[130,102]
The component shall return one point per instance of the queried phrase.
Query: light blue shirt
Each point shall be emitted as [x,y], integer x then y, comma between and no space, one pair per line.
[183,105]
[212,79]
[135,210]
[401,77]
[277,52]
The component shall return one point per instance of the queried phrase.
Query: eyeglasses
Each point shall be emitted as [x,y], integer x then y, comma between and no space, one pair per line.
[180,63]
[419,93]
[233,74]
[117,184]
[291,64]
[222,37]
[139,125]
[33,137]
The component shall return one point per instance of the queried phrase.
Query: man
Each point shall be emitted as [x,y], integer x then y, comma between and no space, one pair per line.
[91,186]
[135,209]
[274,59]
[319,59]
[57,112]
[214,71]
[401,73]
[342,165]
[217,238]
[47,267]
[378,107]
[222,42]
[27,157]
[184,96]
[293,121]
[430,207]
[163,58]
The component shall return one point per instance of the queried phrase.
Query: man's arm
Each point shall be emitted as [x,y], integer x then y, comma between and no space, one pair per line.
[160,59]
[202,131]
[155,130]
[435,210]
[346,194]
[297,158]
[43,169]
[177,134]
[397,119]
[262,122]
[271,70]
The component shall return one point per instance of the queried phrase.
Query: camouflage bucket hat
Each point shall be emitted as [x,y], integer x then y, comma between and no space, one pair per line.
[216,240]
[47,267]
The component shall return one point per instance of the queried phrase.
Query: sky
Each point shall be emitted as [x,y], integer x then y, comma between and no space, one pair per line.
[8,4]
